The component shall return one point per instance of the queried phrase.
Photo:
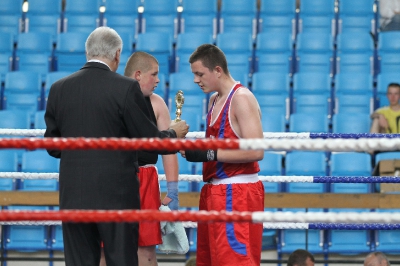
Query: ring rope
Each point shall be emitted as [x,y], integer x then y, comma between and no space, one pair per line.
[266,225]
[200,134]
[359,145]
[268,179]
[89,216]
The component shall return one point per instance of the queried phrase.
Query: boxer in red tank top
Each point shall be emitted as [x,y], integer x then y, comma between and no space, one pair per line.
[231,175]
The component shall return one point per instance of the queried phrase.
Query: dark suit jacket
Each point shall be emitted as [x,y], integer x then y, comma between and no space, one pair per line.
[96,102]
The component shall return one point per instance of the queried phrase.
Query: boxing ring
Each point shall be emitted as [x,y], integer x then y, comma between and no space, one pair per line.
[332,142]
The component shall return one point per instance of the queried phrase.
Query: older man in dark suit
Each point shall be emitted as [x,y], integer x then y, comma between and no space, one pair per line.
[95,102]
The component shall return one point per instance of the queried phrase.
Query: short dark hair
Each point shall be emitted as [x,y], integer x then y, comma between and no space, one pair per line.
[211,56]
[394,84]
[299,257]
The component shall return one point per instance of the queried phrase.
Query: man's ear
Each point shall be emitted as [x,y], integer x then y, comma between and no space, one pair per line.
[137,75]
[118,56]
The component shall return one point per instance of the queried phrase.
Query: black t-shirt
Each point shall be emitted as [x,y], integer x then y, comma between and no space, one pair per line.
[145,157]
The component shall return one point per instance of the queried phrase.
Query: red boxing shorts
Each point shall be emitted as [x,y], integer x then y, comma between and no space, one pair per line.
[149,232]
[222,243]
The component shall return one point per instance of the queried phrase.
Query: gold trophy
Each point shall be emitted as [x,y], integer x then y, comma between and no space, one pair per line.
[179,100]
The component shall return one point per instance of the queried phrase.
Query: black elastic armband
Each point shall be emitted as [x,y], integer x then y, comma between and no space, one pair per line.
[201,156]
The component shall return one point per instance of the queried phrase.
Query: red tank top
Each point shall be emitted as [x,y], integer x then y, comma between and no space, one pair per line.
[221,128]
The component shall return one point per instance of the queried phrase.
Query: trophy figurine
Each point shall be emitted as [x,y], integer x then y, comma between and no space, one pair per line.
[179,100]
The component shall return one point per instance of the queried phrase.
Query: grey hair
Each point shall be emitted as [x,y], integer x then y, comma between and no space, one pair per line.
[103,42]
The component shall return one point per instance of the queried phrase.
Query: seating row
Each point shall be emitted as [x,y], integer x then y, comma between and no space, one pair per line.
[311,52]
[175,16]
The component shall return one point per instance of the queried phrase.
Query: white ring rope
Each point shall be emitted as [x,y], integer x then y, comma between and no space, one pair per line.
[162,177]
[326,217]
[193,135]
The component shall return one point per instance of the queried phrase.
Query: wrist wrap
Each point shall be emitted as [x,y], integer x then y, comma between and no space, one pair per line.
[201,156]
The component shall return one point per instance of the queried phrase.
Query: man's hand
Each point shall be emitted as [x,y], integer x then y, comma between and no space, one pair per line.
[383,123]
[172,199]
[180,128]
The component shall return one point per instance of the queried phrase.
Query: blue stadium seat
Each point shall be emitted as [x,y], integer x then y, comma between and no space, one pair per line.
[122,23]
[274,54]
[39,122]
[271,164]
[321,83]
[317,16]
[271,83]
[313,96]
[303,163]
[317,24]
[6,53]
[355,63]
[349,23]
[81,16]
[356,8]
[238,49]
[387,241]
[26,238]
[44,16]
[273,122]
[306,163]
[23,81]
[34,52]
[357,16]
[238,16]
[308,122]
[350,164]
[199,17]
[70,51]
[273,104]
[15,119]
[354,42]
[388,50]
[354,83]
[277,16]
[278,23]
[353,103]
[271,7]
[122,16]
[183,81]
[57,238]
[387,156]
[11,16]
[160,45]
[354,52]
[39,161]
[314,52]
[351,123]
[23,91]
[383,80]
[186,43]
[8,163]
[160,16]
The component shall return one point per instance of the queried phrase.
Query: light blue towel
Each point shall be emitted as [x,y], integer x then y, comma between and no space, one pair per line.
[173,236]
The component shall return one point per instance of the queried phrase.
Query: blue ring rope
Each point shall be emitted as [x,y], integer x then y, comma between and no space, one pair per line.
[352,135]
[364,226]
[356,179]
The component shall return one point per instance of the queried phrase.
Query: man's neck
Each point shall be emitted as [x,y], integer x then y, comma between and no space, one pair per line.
[395,107]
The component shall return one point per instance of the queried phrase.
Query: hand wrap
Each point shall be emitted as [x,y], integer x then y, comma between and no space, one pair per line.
[172,193]
[201,156]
